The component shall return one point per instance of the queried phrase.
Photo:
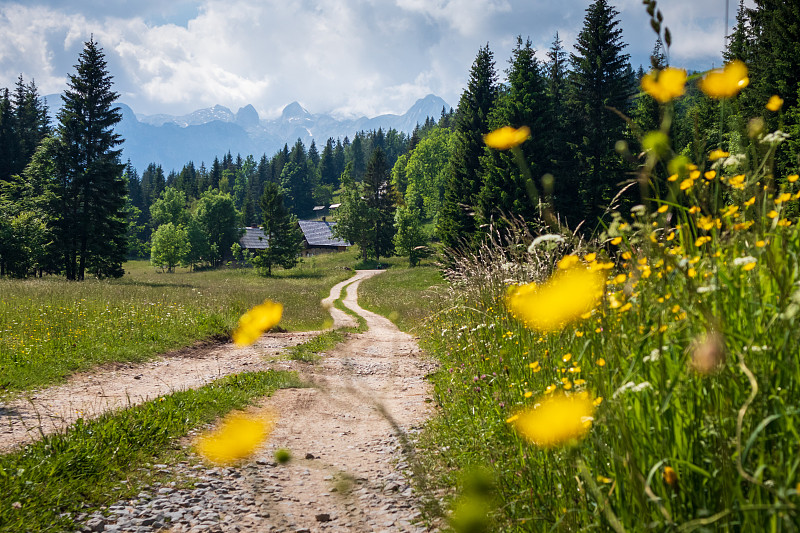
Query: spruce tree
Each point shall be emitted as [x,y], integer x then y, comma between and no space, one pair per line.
[600,80]
[380,200]
[284,238]
[93,227]
[456,221]
[506,190]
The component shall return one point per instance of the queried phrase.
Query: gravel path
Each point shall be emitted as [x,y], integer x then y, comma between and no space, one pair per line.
[351,437]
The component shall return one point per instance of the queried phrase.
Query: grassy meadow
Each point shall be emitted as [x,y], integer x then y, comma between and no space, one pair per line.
[52,328]
[404,295]
[686,363]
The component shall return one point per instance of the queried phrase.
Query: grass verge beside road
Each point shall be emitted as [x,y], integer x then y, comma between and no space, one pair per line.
[406,296]
[47,483]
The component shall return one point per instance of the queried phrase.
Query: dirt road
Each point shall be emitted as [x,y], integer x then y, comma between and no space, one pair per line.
[350,434]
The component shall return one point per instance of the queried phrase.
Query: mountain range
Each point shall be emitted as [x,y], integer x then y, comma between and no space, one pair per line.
[172,141]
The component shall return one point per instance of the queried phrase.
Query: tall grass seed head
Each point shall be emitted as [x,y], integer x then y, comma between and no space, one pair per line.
[708,353]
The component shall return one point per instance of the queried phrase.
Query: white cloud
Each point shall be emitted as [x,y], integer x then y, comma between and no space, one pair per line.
[351,57]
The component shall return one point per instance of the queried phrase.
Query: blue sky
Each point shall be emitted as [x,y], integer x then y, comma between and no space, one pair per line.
[347,57]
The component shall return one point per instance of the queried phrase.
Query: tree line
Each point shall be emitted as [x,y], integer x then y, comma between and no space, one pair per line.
[68,208]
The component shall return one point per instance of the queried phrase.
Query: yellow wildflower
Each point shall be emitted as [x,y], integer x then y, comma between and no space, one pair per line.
[670,476]
[563,299]
[665,85]
[784,197]
[528,394]
[663,209]
[568,261]
[507,137]
[237,438]
[600,362]
[616,240]
[687,183]
[590,258]
[750,202]
[706,223]
[535,366]
[772,214]
[725,82]
[784,222]
[710,175]
[673,177]
[775,103]
[761,244]
[620,278]
[256,321]
[556,421]
[792,178]
[717,154]
[749,266]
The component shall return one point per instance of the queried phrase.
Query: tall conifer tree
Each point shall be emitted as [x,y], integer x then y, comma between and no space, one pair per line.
[456,221]
[92,234]
[506,191]
[600,79]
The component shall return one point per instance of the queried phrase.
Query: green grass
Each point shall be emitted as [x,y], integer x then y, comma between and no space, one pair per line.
[95,463]
[406,296]
[51,328]
[729,433]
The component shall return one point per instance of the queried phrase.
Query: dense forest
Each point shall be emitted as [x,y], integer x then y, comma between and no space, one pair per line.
[67,206]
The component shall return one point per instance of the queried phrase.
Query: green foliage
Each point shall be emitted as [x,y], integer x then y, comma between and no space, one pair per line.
[409,239]
[90,233]
[506,186]
[366,216]
[170,246]
[169,208]
[456,225]
[284,238]
[47,484]
[217,220]
[422,175]
[600,79]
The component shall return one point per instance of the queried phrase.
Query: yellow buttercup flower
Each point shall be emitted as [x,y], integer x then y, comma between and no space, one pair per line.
[237,438]
[507,137]
[725,82]
[670,476]
[256,321]
[717,154]
[557,420]
[665,85]
[561,300]
[792,178]
[775,103]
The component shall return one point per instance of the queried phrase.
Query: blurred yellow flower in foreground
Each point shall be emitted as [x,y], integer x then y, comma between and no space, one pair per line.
[562,299]
[237,437]
[717,154]
[507,137]
[556,420]
[256,321]
[775,102]
[664,85]
[725,82]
